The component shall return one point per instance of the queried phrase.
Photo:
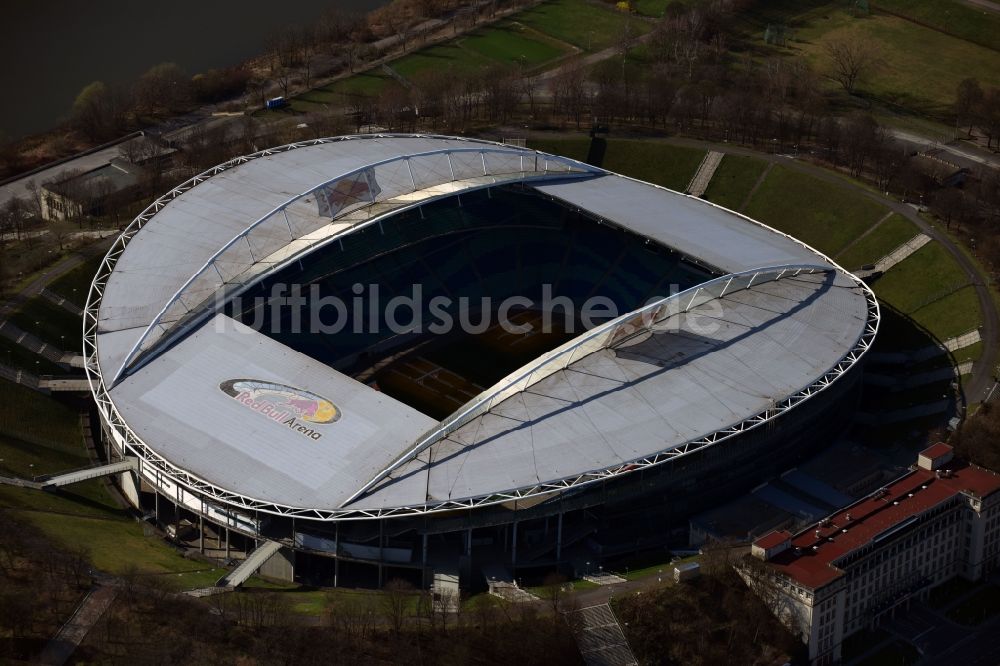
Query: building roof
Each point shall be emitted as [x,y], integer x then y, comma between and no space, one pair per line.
[872,518]
[115,176]
[772,539]
[176,403]
[607,410]
[937,450]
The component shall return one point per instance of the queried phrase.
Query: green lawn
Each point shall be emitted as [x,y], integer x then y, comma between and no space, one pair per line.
[953,16]
[821,214]
[660,163]
[40,435]
[734,179]
[583,24]
[920,66]
[654,8]
[513,43]
[51,323]
[919,280]
[343,92]
[38,419]
[575,148]
[953,315]
[447,57]
[114,543]
[889,235]
[74,285]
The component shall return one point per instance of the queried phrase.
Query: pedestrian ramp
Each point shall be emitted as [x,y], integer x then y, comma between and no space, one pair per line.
[69,478]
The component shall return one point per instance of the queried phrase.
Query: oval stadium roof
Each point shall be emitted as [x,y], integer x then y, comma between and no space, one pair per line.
[159,349]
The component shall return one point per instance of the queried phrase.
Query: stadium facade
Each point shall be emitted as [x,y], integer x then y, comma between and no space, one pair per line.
[725,351]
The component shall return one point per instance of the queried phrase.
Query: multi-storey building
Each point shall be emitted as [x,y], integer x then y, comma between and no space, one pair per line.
[866,561]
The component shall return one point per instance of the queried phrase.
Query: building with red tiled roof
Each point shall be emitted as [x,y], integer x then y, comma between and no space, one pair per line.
[846,572]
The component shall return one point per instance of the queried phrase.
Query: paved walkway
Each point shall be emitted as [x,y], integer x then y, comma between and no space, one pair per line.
[58,650]
[988,5]
[959,154]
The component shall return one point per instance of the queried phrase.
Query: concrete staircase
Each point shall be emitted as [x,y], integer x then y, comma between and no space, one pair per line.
[599,637]
[250,565]
[703,176]
[896,256]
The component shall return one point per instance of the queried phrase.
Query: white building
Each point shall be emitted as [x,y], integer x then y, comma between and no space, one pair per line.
[859,565]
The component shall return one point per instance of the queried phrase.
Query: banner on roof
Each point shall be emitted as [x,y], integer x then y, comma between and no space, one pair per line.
[349,192]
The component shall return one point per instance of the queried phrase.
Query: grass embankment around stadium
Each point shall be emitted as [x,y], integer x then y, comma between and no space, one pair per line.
[836,219]
[40,435]
[655,162]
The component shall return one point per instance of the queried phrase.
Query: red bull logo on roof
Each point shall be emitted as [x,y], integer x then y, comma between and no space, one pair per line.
[291,407]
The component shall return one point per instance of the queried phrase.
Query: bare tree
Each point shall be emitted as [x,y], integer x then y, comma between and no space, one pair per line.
[569,92]
[851,59]
[968,98]
[396,597]
[163,88]
[990,121]
[554,591]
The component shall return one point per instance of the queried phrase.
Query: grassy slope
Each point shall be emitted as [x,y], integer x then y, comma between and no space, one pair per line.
[16,356]
[923,277]
[74,285]
[733,180]
[663,164]
[51,323]
[826,216]
[887,237]
[956,314]
[37,420]
[575,148]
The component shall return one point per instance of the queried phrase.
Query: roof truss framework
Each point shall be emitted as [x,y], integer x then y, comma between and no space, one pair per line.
[344,204]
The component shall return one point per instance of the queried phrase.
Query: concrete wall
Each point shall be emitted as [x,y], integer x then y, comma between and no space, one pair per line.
[280,566]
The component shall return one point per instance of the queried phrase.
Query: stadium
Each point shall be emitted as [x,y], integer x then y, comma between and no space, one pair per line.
[626,356]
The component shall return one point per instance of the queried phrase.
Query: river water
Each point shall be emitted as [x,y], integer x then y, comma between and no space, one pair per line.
[51,49]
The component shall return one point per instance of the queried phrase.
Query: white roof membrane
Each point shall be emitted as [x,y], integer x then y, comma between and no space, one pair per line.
[606,409]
